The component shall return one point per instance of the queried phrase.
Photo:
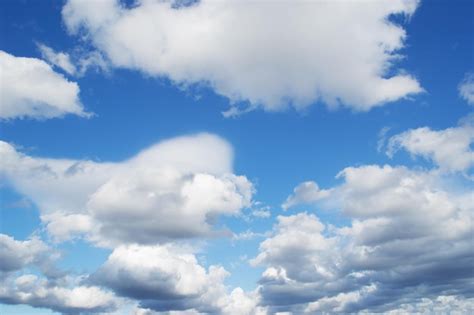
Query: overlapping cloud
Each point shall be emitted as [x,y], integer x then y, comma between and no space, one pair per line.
[175,189]
[269,54]
[146,278]
[408,247]
[31,88]
[142,208]
[410,239]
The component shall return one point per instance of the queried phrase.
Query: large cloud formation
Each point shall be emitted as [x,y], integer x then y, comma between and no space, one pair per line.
[248,51]
[31,88]
[176,189]
[408,247]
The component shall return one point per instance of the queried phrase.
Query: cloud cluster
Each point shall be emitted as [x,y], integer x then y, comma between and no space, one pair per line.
[173,190]
[241,52]
[410,238]
[143,208]
[30,88]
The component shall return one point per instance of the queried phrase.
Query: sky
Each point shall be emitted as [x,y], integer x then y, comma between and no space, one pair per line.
[236,157]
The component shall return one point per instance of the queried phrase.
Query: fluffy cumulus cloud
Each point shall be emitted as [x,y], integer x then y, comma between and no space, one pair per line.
[344,52]
[31,88]
[408,246]
[466,88]
[167,278]
[173,190]
[450,149]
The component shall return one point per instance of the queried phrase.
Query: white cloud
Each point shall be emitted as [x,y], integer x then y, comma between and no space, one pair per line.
[450,148]
[167,278]
[466,88]
[175,189]
[337,52]
[58,59]
[30,88]
[410,238]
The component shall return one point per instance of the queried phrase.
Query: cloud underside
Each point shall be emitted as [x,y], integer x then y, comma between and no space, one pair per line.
[32,89]
[268,54]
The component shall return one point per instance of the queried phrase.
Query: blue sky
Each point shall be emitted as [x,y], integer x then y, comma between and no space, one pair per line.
[284,135]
